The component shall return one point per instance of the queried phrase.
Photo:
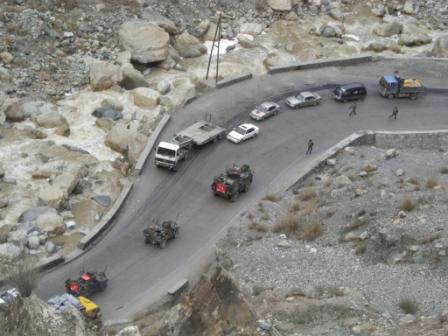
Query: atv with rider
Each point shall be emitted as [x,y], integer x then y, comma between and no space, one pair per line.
[159,234]
[88,284]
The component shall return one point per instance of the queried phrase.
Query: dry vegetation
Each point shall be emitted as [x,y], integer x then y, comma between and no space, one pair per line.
[431,182]
[272,198]
[259,227]
[297,226]
[408,306]
[407,205]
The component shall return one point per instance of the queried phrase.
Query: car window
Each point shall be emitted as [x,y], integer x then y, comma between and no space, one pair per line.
[240,130]
[250,130]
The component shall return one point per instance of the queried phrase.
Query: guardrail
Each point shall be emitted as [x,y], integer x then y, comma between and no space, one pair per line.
[150,144]
[233,80]
[321,63]
[107,219]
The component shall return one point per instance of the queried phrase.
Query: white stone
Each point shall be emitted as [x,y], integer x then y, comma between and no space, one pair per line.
[331,162]
[33,243]
[399,172]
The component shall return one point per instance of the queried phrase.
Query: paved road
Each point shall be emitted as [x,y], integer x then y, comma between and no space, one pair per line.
[139,273]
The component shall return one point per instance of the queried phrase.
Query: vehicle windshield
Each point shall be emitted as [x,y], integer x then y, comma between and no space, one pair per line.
[338,91]
[240,130]
[261,108]
[300,97]
[166,152]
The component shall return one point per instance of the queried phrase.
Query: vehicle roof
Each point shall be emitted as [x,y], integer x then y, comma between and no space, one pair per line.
[307,94]
[246,126]
[351,85]
[267,104]
[390,79]
[168,145]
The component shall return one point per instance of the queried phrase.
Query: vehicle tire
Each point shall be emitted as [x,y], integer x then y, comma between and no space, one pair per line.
[315,103]
[390,96]
[234,197]
[413,96]
[186,155]
[162,244]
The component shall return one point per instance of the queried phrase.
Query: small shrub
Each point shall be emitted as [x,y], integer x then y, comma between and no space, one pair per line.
[414,180]
[259,227]
[444,170]
[265,217]
[288,224]
[407,205]
[312,231]
[257,290]
[24,277]
[250,216]
[357,223]
[307,194]
[408,306]
[295,207]
[360,248]
[272,198]
[431,182]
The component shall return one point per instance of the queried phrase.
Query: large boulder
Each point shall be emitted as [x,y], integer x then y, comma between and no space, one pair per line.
[332,29]
[132,78]
[251,28]
[412,37]
[119,136]
[440,48]
[107,112]
[182,91]
[163,22]
[189,46]
[10,252]
[201,28]
[388,29]
[147,42]
[67,181]
[50,195]
[34,108]
[103,75]
[32,214]
[12,108]
[135,146]
[51,223]
[146,97]
[51,119]
[280,5]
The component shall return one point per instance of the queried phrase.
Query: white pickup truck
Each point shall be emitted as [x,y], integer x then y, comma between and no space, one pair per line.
[169,154]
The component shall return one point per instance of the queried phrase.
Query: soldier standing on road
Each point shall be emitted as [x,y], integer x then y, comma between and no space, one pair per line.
[352,110]
[310,146]
[394,113]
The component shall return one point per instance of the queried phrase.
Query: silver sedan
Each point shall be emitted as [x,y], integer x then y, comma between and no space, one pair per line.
[303,99]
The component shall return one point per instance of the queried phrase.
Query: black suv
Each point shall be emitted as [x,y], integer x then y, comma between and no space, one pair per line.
[351,91]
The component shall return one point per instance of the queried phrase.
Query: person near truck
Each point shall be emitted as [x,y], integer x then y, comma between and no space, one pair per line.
[394,113]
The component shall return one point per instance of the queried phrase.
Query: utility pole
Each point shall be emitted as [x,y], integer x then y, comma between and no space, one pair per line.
[216,38]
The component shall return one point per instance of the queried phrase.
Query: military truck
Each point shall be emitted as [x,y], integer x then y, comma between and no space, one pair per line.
[233,182]
[88,284]
[169,154]
[393,86]
[158,234]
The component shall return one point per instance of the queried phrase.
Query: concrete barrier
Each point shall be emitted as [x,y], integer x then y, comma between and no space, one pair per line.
[178,287]
[150,144]
[106,220]
[233,80]
[322,63]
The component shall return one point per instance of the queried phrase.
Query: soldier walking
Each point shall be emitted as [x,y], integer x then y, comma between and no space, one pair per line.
[310,146]
[352,110]
[394,113]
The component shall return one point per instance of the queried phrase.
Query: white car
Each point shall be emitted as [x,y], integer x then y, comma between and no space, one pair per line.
[242,133]
[303,99]
[265,110]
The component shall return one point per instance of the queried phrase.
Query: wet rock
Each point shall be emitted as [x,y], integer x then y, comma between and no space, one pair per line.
[31,215]
[50,223]
[163,86]
[34,133]
[146,97]
[10,252]
[50,247]
[201,28]
[147,42]
[129,331]
[67,181]
[18,237]
[189,46]
[50,195]
[251,28]
[280,5]
[332,29]
[264,325]
[132,78]
[388,29]
[34,108]
[337,14]
[440,48]
[105,124]
[33,243]
[103,75]
[75,149]
[51,119]
[107,112]
[13,110]
[246,41]
[163,22]
[103,200]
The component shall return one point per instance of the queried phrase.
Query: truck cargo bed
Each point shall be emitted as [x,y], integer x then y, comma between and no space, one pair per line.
[202,132]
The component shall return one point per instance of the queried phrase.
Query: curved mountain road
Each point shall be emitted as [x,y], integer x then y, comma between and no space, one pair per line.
[139,274]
